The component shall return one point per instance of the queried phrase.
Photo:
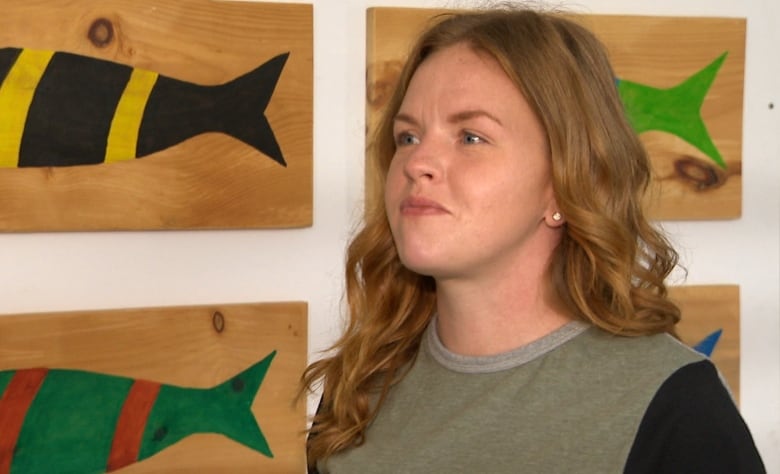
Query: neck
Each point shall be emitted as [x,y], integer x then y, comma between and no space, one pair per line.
[487,318]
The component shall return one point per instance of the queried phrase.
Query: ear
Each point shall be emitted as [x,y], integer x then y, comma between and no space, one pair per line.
[554,219]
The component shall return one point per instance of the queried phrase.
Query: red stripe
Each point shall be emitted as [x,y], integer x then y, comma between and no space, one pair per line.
[130,427]
[14,403]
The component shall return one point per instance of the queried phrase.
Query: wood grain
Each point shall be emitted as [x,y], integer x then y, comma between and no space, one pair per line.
[181,346]
[208,181]
[657,51]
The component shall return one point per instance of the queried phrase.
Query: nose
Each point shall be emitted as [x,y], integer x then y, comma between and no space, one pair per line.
[423,161]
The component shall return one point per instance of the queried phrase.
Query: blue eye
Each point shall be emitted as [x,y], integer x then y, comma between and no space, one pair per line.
[406,139]
[471,139]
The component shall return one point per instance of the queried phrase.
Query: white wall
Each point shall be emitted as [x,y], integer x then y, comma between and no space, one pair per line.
[77,271]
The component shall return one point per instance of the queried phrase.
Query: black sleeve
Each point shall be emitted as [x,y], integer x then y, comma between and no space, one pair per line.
[692,426]
[312,468]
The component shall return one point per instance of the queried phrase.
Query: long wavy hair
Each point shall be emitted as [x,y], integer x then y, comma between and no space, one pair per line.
[609,268]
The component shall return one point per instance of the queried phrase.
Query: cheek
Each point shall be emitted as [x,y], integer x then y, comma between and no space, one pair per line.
[393,186]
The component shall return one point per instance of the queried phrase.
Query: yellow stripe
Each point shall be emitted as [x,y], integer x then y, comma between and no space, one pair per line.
[123,137]
[16,94]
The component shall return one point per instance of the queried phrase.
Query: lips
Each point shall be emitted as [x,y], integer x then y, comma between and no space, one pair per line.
[421,206]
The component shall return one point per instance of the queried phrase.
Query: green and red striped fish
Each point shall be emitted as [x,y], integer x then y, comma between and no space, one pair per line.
[71,421]
[62,109]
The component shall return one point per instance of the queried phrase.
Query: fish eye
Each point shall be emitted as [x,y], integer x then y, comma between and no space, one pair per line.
[237,384]
[160,433]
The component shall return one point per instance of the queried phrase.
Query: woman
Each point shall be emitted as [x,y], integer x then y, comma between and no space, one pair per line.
[507,306]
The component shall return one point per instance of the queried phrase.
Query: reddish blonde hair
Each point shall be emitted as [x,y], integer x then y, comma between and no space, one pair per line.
[609,268]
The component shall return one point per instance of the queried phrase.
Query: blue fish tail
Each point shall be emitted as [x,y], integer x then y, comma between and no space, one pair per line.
[707,345]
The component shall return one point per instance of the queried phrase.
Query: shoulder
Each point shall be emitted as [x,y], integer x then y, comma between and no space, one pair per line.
[692,425]
[645,361]
[662,348]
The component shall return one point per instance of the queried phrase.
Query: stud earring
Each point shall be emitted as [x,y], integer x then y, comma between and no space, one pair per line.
[557,216]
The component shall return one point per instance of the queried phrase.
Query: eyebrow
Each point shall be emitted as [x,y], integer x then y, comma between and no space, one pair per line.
[454,118]
[405,118]
[472,114]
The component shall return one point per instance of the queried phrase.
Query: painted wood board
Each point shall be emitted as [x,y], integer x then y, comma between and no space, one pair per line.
[706,309]
[206,179]
[660,52]
[186,346]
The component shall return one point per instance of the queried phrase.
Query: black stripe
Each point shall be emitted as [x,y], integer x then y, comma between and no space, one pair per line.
[311,468]
[71,112]
[7,59]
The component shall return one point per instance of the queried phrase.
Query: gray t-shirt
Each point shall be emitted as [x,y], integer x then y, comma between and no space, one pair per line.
[570,402]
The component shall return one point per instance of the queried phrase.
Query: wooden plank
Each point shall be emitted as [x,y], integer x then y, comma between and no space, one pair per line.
[209,180]
[661,52]
[706,309]
[182,346]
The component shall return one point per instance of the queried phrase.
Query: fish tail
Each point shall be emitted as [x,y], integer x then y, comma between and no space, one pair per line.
[236,396]
[697,87]
[676,110]
[243,107]
[707,345]
[699,84]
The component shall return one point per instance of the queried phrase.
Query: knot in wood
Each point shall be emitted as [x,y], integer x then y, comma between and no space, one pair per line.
[218,321]
[101,32]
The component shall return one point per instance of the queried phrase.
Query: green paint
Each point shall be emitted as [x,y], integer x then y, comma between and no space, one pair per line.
[70,424]
[676,110]
[5,379]
[224,409]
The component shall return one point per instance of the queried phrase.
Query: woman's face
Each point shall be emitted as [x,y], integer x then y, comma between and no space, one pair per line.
[468,192]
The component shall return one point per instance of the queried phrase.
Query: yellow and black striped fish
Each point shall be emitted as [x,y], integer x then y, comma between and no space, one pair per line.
[63,109]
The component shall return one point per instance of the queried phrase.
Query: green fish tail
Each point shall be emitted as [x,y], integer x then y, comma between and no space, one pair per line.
[676,110]
[224,409]
[238,393]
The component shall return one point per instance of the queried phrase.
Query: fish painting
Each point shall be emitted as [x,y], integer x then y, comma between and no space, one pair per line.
[64,109]
[676,110]
[72,421]
[707,345]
